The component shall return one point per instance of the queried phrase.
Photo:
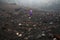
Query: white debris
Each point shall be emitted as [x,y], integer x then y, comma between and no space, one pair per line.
[19,24]
[20,35]
[54,39]
[51,23]
[17,33]
[29,17]
[34,25]
[43,34]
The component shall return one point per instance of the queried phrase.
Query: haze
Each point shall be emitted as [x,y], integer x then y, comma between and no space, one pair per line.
[37,4]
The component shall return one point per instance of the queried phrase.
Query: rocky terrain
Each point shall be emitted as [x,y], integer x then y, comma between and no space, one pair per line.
[17,24]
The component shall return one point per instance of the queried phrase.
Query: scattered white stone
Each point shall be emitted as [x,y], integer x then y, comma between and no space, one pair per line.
[20,35]
[19,24]
[29,17]
[43,34]
[17,33]
[54,39]
[51,23]
[34,25]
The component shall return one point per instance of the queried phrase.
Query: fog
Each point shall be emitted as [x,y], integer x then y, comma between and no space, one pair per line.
[37,4]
